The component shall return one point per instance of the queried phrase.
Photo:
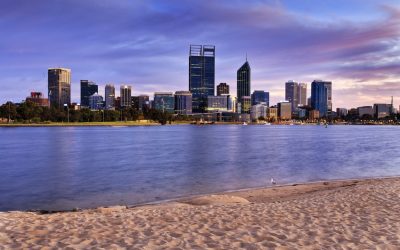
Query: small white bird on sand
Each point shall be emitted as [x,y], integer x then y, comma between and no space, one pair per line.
[273,182]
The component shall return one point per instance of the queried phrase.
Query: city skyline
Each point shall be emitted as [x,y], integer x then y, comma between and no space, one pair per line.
[355,48]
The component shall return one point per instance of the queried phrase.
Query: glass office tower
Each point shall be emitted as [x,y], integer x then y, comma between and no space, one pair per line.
[321,97]
[201,75]
[88,88]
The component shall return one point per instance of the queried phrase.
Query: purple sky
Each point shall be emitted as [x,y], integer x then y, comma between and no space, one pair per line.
[355,44]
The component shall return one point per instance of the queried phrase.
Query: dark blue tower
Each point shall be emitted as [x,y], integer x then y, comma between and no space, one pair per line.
[201,75]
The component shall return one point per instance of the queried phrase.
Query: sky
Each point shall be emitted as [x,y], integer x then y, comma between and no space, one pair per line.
[353,43]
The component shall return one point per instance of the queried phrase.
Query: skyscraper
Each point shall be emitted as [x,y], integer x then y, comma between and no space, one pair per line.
[321,97]
[59,86]
[88,88]
[243,81]
[291,93]
[260,97]
[109,96]
[223,89]
[183,102]
[302,94]
[296,94]
[201,75]
[125,93]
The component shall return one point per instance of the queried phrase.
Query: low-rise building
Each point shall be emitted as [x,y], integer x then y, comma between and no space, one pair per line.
[313,114]
[365,111]
[272,113]
[164,101]
[96,102]
[37,98]
[285,110]
[219,103]
[258,110]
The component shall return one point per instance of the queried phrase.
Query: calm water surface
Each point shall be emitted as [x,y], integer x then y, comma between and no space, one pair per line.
[62,168]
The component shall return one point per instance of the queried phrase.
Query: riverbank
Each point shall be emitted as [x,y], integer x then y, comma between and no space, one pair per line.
[152,123]
[82,124]
[351,214]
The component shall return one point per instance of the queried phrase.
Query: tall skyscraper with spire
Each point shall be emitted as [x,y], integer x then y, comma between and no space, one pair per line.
[201,75]
[244,85]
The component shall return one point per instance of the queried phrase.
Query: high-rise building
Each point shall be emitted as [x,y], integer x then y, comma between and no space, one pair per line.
[95,102]
[183,102]
[126,96]
[164,101]
[321,97]
[243,81]
[285,110]
[219,103]
[260,97]
[88,88]
[201,75]
[245,104]
[302,94]
[109,96]
[59,86]
[223,89]
[296,94]
[291,93]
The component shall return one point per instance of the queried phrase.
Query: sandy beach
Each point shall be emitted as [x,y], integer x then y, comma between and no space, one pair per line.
[354,214]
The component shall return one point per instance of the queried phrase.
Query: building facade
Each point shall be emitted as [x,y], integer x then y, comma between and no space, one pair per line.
[321,97]
[302,94]
[59,87]
[109,96]
[37,98]
[365,111]
[272,113]
[95,102]
[258,110]
[245,104]
[313,115]
[88,88]
[219,103]
[223,89]
[201,75]
[260,97]
[183,102]
[284,110]
[144,102]
[126,96]
[244,86]
[382,110]
[341,112]
[296,94]
[164,101]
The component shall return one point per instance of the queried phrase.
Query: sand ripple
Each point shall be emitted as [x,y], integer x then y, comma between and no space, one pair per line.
[339,215]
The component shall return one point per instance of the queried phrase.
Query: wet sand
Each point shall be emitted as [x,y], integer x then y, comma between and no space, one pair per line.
[354,214]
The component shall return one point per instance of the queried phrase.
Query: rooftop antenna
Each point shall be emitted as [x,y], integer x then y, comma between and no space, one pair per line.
[246,56]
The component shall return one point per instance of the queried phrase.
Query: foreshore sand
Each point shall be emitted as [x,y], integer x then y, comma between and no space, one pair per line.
[352,214]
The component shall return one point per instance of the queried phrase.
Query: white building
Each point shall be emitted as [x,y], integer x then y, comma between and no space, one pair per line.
[259,110]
